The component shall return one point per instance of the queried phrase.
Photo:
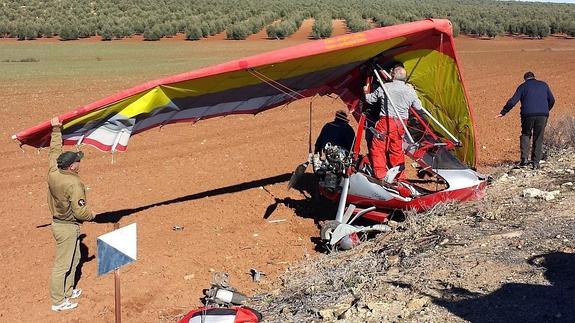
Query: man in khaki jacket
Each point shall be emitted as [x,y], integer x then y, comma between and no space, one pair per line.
[69,207]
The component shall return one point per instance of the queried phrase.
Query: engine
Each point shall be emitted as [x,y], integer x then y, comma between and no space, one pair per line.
[332,166]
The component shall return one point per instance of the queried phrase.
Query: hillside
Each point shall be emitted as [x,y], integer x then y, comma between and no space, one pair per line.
[507,257]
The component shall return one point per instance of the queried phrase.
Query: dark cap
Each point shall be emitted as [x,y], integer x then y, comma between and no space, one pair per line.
[528,75]
[68,158]
[341,115]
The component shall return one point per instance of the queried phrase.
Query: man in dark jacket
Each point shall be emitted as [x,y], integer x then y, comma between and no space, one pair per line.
[536,102]
[338,132]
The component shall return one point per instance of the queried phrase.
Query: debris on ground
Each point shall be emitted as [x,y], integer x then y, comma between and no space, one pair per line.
[503,257]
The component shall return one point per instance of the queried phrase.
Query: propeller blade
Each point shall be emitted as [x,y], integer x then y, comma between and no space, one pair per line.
[300,169]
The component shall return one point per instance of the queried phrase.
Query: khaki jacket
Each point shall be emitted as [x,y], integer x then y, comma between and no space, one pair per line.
[66,192]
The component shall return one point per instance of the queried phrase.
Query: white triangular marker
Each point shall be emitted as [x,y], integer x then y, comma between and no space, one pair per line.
[123,239]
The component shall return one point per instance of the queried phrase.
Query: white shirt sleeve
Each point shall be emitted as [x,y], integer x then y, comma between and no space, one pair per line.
[416,103]
[374,96]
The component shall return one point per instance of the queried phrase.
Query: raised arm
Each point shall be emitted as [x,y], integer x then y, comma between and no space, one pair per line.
[55,143]
[374,96]
[416,103]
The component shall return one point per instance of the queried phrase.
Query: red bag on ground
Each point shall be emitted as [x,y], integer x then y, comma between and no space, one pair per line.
[234,314]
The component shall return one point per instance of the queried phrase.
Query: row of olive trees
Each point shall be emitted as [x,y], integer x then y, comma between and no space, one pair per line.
[355,22]
[382,20]
[73,19]
[483,18]
[322,27]
[533,28]
[252,25]
[286,27]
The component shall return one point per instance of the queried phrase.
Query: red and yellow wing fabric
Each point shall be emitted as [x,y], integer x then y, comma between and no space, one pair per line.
[254,84]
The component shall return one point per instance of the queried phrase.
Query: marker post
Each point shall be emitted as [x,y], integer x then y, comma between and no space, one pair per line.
[117,302]
[116,249]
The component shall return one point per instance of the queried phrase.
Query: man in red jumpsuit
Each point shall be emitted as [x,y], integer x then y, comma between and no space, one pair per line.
[387,152]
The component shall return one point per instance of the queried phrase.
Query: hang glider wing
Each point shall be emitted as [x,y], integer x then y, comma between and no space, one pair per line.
[254,84]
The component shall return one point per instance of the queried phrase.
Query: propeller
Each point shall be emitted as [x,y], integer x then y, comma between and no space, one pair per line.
[297,174]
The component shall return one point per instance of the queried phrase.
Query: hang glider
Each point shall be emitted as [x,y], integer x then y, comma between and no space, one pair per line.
[334,66]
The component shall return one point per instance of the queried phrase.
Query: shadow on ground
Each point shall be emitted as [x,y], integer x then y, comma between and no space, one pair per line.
[312,206]
[516,302]
[115,216]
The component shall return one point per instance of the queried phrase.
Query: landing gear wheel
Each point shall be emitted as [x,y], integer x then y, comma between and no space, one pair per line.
[327,229]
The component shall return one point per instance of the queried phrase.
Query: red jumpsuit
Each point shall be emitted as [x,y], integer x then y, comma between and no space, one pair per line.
[388,152]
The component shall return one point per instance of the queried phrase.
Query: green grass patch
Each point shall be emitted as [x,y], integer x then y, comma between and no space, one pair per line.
[138,61]
[22,60]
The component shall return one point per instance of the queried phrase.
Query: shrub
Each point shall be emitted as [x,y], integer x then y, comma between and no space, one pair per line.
[68,32]
[31,32]
[193,33]
[107,33]
[286,27]
[543,29]
[29,60]
[356,23]
[4,28]
[19,32]
[124,30]
[219,26]
[47,29]
[322,27]
[138,25]
[456,29]
[492,30]
[153,33]
[169,29]
[383,21]
[561,135]
[85,31]
[281,30]
[237,31]
[570,30]
[206,28]
[536,28]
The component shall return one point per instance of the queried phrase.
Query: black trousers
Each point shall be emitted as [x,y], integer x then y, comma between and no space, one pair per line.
[532,127]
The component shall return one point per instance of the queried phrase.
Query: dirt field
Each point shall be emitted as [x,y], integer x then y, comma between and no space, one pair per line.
[215,179]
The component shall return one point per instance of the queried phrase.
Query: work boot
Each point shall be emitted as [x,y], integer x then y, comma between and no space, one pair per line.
[523,163]
[65,305]
[535,165]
